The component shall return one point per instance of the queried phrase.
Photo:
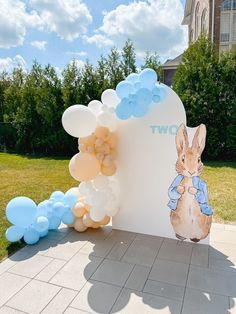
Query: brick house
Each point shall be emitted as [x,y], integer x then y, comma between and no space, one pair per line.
[217,18]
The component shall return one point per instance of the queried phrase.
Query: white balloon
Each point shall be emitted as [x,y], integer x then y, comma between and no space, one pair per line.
[105,108]
[99,199]
[95,106]
[111,211]
[97,214]
[101,182]
[108,120]
[110,98]
[83,188]
[75,191]
[79,121]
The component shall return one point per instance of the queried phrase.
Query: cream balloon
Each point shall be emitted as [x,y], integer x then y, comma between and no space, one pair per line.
[108,120]
[79,210]
[87,221]
[79,225]
[79,121]
[84,167]
[110,98]
[95,106]
[97,214]
[105,220]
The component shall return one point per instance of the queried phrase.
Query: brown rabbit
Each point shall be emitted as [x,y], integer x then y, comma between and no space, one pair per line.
[190,215]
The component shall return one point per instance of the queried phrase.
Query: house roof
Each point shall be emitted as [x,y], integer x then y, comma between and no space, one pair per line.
[173,63]
[187,12]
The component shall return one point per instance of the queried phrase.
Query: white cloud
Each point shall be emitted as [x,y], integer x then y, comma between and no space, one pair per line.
[153,25]
[8,64]
[79,63]
[39,44]
[14,19]
[68,18]
[77,53]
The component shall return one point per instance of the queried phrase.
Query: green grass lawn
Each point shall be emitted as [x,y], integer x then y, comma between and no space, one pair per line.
[39,177]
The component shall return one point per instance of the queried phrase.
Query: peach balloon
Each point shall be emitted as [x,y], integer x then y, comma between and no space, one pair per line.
[102,132]
[108,171]
[79,225]
[89,140]
[87,221]
[96,225]
[112,140]
[105,220]
[84,167]
[82,147]
[79,210]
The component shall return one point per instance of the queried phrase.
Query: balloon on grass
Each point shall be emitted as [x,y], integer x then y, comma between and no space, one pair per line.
[14,233]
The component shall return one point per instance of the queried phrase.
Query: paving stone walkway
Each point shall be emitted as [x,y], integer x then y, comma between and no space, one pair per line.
[111,271]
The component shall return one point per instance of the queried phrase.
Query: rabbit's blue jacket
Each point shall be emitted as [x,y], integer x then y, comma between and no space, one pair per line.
[201,195]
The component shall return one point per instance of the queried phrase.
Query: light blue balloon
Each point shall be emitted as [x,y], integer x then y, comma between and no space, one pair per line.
[137,86]
[156,98]
[123,89]
[162,91]
[156,91]
[21,211]
[41,224]
[31,236]
[14,233]
[70,199]
[148,78]
[68,218]
[144,97]
[124,110]
[57,196]
[54,223]
[58,209]
[42,209]
[133,78]
[43,234]
[140,110]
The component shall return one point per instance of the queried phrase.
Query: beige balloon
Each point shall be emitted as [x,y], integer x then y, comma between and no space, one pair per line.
[79,210]
[105,220]
[108,171]
[84,167]
[96,225]
[112,140]
[102,132]
[87,221]
[79,225]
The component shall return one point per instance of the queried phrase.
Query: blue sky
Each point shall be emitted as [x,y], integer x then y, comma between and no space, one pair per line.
[56,31]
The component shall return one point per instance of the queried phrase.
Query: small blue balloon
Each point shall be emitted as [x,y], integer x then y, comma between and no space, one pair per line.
[156,98]
[133,78]
[137,85]
[68,218]
[156,91]
[144,97]
[148,78]
[57,196]
[31,236]
[14,233]
[21,211]
[54,222]
[123,89]
[162,91]
[70,199]
[140,110]
[41,224]
[43,234]
[124,110]
[58,209]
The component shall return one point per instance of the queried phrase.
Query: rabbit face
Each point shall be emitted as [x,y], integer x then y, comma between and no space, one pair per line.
[189,158]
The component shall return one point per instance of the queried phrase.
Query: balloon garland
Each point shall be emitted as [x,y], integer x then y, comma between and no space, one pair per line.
[96,200]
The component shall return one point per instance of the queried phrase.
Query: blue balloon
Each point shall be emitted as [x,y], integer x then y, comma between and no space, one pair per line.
[156,91]
[21,211]
[140,110]
[162,91]
[123,89]
[58,209]
[70,199]
[156,98]
[42,209]
[14,233]
[124,110]
[133,78]
[68,218]
[31,236]
[41,224]
[54,222]
[43,233]
[148,78]
[137,85]
[144,97]
[57,196]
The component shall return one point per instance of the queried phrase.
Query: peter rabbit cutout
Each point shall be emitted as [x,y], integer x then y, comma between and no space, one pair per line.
[190,214]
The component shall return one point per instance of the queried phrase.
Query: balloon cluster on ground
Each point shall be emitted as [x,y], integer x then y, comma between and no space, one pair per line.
[137,94]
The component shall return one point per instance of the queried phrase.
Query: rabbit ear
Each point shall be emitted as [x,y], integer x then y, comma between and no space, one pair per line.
[199,139]
[181,139]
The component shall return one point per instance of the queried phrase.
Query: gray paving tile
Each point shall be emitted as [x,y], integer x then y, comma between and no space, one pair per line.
[232,305]
[138,277]
[122,236]
[98,234]
[50,270]
[143,250]
[215,281]
[118,251]
[77,271]
[200,302]
[96,297]
[131,301]
[164,289]
[12,260]
[169,272]
[71,310]
[175,251]
[113,272]
[9,285]
[222,264]
[200,255]
[31,266]
[100,249]
[33,297]
[60,302]
[8,310]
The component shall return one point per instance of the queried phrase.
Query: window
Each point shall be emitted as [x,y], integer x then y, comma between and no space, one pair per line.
[225,27]
[228,5]
[197,20]
[228,24]
[203,21]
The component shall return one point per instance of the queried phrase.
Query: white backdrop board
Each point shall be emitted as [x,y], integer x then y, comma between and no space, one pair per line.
[146,168]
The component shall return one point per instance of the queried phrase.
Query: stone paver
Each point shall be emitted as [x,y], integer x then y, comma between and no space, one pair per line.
[113,271]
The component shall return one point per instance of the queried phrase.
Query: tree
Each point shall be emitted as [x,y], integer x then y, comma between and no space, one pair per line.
[128,58]
[152,61]
[114,68]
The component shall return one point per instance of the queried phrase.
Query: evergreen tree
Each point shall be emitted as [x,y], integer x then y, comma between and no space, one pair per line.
[114,68]
[128,58]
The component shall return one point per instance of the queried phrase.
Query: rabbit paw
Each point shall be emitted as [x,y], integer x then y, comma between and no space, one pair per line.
[180,189]
[192,190]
